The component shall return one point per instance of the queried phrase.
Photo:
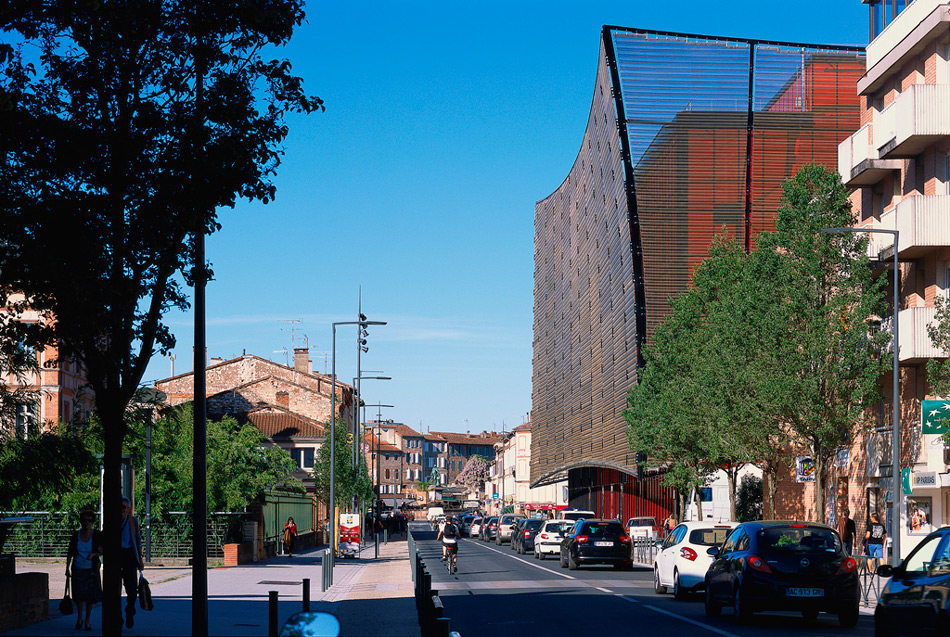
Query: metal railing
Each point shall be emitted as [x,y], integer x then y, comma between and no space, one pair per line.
[870,580]
[49,533]
[643,549]
[432,619]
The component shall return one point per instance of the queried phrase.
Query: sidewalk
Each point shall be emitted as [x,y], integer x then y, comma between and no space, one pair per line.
[370,597]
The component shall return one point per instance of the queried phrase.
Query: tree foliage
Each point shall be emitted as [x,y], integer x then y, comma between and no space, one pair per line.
[36,469]
[474,473]
[350,482]
[124,125]
[749,499]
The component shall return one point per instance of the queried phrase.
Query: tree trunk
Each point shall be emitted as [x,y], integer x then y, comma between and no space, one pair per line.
[697,499]
[819,484]
[113,432]
[731,473]
[772,480]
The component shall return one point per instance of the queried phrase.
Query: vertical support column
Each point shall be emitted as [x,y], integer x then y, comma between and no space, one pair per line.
[748,152]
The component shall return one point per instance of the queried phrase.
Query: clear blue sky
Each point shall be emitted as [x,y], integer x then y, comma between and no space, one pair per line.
[445,122]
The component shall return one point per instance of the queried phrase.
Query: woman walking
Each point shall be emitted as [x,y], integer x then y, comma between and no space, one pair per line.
[85,547]
[290,533]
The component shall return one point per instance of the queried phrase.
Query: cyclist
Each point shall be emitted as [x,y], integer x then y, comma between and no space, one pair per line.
[449,537]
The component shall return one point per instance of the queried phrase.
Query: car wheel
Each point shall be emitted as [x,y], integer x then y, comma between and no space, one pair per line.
[848,617]
[713,609]
[571,562]
[880,628]
[659,588]
[810,614]
[678,592]
[740,610]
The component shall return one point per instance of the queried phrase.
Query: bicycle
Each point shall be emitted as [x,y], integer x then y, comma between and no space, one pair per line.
[451,557]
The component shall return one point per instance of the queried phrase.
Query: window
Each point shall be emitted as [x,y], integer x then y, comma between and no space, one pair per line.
[386,474]
[929,556]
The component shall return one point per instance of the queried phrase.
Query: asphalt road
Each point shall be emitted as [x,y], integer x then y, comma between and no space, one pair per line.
[498,592]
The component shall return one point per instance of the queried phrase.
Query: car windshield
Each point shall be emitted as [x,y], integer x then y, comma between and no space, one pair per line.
[602,529]
[507,519]
[557,527]
[800,538]
[708,537]
[533,524]
[931,557]
[493,520]
[477,521]
[642,522]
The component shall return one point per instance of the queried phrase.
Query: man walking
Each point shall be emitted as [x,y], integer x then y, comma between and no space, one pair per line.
[130,561]
[876,536]
[846,530]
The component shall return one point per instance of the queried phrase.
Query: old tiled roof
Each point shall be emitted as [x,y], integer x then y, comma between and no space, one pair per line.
[372,441]
[525,427]
[276,422]
[483,438]
[406,431]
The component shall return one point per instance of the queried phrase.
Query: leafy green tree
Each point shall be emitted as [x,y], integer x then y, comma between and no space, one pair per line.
[124,125]
[938,370]
[38,468]
[19,363]
[749,499]
[350,483]
[826,362]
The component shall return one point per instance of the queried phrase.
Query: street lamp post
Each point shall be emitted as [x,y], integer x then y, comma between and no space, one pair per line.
[357,430]
[332,513]
[379,416]
[897,497]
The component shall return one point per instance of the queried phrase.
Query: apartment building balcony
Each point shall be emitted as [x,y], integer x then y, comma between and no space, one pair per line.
[915,344]
[859,162]
[919,117]
[921,223]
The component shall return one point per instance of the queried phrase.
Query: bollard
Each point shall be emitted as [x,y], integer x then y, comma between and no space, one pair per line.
[272,613]
[385,536]
[306,595]
[443,626]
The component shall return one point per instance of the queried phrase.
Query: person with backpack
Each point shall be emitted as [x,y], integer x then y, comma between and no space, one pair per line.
[449,536]
[85,548]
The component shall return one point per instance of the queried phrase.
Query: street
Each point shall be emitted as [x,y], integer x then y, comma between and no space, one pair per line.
[499,592]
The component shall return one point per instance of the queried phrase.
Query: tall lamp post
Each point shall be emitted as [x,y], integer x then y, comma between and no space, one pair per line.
[362,322]
[358,435]
[897,496]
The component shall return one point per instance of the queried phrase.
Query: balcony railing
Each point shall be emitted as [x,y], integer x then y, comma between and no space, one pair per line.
[858,160]
[915,343]
[921,221]
[916,119]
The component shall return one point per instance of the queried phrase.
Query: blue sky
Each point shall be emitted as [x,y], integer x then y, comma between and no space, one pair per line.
[445,123]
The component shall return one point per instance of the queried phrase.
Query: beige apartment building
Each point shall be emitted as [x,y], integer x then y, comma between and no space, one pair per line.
[898,164]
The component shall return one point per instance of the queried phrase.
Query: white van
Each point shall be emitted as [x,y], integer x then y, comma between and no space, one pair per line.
[434,512]
[575,514]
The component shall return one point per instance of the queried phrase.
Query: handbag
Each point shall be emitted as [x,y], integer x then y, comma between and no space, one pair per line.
[145,594]
[66,605]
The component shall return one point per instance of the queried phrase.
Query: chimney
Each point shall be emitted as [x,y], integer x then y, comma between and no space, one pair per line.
[302,360]
[283,399]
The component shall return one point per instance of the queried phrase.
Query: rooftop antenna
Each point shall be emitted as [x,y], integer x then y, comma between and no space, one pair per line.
[285,353]
[293,329]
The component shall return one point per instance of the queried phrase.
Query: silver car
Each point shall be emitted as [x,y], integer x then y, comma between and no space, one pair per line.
[505,524]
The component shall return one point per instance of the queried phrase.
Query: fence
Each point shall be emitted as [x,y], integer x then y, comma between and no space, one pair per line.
[432,619]
[280,506]
[870,581]
[644,550]
[49,533]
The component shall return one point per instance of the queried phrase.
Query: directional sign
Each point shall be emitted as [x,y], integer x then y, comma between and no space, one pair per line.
[935,416]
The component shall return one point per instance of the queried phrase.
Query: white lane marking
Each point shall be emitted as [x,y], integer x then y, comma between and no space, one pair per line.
[662,611]
[603,590]
[527,562]
[629,599]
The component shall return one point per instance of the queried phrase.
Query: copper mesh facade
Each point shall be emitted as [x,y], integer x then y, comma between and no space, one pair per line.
[686,135]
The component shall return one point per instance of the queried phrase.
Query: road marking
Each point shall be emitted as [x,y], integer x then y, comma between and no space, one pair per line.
[603,590]
[662,611]
[529,563]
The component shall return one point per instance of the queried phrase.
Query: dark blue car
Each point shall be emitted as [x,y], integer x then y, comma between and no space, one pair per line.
[775,565]
[916,601]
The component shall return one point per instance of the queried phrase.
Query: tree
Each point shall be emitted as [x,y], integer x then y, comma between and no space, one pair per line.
[938,370]
[350,483]
[40,467]
[749,499]
[824,299]
[123,127]
[474,473]
[18,361]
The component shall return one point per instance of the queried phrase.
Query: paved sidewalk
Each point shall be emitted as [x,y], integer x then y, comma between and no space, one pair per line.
[370,597]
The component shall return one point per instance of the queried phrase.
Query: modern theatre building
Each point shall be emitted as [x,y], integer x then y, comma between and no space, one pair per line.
[686,135]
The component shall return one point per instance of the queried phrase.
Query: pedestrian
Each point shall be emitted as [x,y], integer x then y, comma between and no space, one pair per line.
[84,551]
[876,536]
[290,534]
[130,562]
[847,530]
[669,525]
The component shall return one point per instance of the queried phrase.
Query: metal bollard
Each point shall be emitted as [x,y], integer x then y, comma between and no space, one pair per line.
[272,613]
[443,626]
[385,536]
[306,595]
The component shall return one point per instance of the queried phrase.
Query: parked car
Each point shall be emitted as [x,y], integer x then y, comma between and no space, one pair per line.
[643,527]
[682,561]
[475,527]
[916,600]
[465,524]
[548,539]
[783,566]
[575,514]
[523,540]
[505,523]
[596,542]
[490,530]
[515,530]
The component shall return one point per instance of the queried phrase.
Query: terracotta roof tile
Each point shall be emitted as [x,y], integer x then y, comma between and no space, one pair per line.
[276,422]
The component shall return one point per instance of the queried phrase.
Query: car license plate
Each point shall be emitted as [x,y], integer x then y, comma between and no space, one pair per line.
[804,592]
[603,543]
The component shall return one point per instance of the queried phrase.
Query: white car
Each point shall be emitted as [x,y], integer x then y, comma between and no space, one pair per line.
[548,539]
[475,527]
[642,527]
[682,561]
